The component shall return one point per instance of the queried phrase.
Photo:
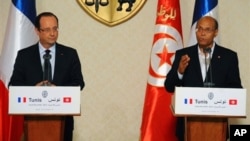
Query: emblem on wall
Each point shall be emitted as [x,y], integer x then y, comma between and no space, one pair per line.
[112,12]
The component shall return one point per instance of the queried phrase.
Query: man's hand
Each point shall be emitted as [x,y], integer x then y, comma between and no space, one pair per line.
[45,83]
[183,63]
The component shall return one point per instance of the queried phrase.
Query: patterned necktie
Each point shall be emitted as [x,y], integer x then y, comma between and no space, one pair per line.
[47,74]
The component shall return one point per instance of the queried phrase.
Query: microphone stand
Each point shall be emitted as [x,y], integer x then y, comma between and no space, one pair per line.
[210,69]
[206,83]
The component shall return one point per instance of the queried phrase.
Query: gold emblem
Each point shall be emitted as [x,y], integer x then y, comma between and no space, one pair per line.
[111,12]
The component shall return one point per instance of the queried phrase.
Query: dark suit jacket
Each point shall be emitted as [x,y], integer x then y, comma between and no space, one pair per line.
[225,73]
[225,69]
[28,70]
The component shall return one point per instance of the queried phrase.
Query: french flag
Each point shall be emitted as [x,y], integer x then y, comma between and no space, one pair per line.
[21,99]
[19,34]
[202,8]
[188,101]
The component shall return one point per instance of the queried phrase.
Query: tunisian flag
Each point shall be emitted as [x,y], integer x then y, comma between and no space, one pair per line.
[19,34]
[158,122]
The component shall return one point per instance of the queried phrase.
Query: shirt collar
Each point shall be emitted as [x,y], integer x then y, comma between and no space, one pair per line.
[212,48]
[42,49]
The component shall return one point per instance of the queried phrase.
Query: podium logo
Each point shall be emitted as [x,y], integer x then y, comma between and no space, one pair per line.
[66,99]
[232,101]
[239,132]
[188,101]
[21,99]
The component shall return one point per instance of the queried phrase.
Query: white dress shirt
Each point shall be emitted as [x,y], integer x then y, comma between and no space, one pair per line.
[52,59]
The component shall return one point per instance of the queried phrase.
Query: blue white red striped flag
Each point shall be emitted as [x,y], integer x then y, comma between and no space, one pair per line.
[202,8]
[158,121]
[19,34]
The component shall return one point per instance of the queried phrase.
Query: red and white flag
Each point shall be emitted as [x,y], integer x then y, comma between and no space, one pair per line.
[232,101]
[158,122]
[66,99]
[19,34]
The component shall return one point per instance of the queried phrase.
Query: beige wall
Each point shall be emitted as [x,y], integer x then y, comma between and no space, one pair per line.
[115,61]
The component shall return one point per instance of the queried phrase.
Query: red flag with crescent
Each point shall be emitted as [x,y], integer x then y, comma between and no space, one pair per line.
[158,121]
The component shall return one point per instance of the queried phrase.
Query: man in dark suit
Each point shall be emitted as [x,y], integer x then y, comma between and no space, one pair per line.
[191,68]
[65,63]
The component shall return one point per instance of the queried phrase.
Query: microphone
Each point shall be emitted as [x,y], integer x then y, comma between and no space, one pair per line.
[46,56]
[206,51]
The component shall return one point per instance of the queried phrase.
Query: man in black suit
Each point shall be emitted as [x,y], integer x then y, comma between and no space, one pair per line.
[191,69]
[65,63]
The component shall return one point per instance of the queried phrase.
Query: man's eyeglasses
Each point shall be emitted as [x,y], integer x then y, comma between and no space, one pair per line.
[48,30]
[205,30]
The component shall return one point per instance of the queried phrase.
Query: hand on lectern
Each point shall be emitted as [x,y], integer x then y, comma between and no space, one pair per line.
[45,83]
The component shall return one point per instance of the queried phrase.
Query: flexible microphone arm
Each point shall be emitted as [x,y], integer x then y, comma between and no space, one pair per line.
[210,69]
[206,83]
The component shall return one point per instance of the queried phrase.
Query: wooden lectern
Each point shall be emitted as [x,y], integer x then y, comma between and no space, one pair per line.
[44,109]
[43,128]
[206,111]
[206,128]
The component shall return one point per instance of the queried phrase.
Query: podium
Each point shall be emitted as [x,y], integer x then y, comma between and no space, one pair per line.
[206,111]
[44,109]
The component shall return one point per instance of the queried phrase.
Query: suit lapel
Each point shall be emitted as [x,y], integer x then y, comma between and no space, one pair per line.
[59,57]
[216,54]
[215,60]
[37,59]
